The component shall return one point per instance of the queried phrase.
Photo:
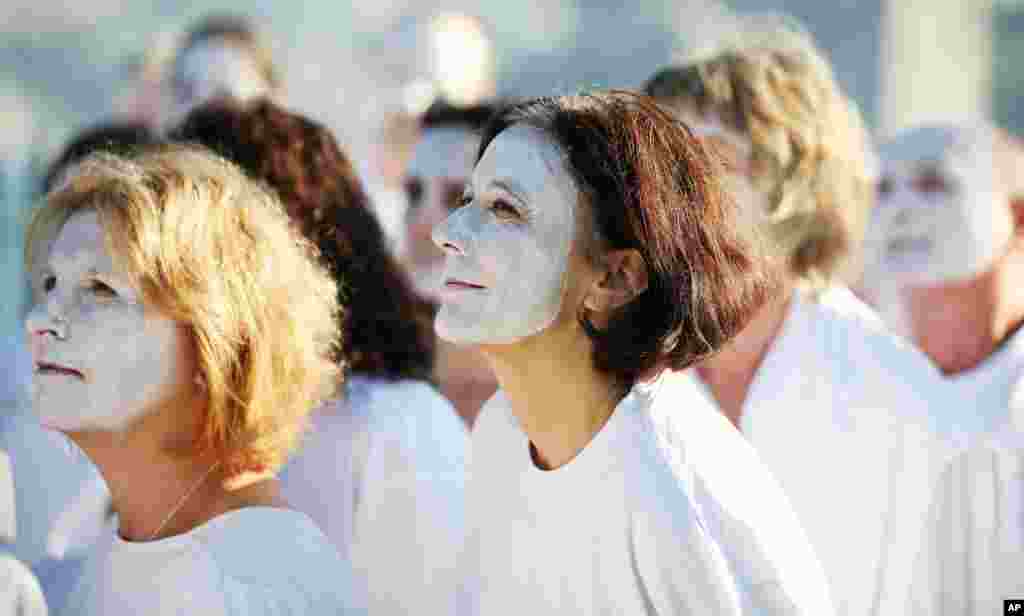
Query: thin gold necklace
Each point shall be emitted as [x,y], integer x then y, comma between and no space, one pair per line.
[184,499]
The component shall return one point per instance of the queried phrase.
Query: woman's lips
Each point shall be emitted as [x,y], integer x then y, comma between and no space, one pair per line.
[44,367]
[462,285]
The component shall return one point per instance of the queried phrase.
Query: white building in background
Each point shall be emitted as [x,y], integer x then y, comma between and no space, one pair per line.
[936,62]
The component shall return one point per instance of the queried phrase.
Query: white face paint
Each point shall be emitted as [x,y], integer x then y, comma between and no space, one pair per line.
[213,69]
[940,217]
[508,246]
[115,360]
[439,169]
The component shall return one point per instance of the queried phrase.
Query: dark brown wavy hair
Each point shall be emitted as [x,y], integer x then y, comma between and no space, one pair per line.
[388,328]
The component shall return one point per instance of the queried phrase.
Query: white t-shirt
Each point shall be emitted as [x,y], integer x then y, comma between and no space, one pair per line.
[666,511]
[991,387]
[973,554]
[20,594]
[848,417]
[382,472]
[254,561]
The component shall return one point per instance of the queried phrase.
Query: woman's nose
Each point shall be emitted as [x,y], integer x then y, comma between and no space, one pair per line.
[445,234]
[47,315]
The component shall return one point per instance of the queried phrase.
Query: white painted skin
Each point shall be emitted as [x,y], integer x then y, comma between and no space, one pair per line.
[942,218]
[89,317]
[511,238]
[442,162]
[213,69]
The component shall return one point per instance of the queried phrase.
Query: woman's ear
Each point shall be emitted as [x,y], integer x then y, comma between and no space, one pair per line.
[624,277]
[1017,211]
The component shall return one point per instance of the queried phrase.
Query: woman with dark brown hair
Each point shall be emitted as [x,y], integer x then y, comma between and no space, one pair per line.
[383,466]
[593,256]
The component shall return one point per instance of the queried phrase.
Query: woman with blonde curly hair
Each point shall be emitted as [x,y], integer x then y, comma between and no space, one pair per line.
[181,333]
[814,362]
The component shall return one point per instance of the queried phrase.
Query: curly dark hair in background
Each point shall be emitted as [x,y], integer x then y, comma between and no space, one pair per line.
[388,329]
[115,137]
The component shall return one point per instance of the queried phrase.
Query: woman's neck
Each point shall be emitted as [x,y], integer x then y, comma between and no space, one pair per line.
[730,372]
[559,398]
[157,494]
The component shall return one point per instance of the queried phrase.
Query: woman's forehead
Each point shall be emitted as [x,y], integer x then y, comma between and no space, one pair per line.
[81,244]
[524,153]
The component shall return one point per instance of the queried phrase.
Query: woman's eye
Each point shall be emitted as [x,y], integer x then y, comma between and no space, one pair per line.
[49,283]
[465,200]
[503,209]
[102,289]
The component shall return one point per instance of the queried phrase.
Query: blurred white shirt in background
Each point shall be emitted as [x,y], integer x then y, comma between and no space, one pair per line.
[854,423]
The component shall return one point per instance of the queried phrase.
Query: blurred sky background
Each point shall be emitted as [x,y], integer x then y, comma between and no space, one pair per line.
[64,65]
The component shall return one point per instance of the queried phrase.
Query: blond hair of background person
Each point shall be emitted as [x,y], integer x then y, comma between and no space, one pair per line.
[181,333]
[838,408]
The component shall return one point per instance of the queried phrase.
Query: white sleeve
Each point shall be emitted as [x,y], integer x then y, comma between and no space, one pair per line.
[20,594]
[955,572]
[409,522]
[682,569]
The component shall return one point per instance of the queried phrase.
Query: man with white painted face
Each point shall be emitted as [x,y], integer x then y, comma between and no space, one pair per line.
[220,57]
[588,262]
[441,162]
[181,332]
[838,408]
[945,257]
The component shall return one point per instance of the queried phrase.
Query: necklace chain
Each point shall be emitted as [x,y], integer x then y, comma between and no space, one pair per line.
[184,499]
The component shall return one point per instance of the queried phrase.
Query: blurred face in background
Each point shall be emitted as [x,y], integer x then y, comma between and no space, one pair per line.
[440,167]
[940,224]
[214,68]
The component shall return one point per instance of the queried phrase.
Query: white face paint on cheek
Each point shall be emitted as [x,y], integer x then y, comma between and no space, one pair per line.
[521,261]
[130,362]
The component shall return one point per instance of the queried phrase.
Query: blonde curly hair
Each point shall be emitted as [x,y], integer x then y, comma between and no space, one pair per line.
[810,152]
[215,251]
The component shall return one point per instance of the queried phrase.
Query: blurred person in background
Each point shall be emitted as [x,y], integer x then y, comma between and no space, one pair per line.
[438,169]
[221,56]
[144,99]
[594,254]
[945,259]
[382,470]
[61,501]
[837,407]
[945,256]
[181,332]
